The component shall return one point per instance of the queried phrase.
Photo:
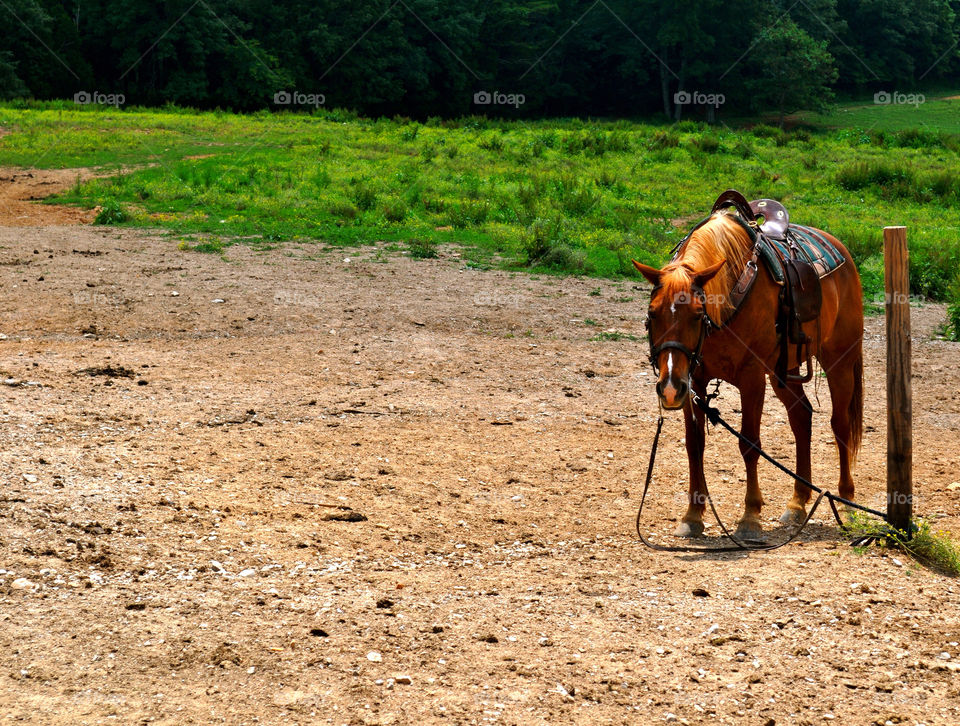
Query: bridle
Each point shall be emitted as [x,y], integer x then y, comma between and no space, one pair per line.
[694,357]
[738,292]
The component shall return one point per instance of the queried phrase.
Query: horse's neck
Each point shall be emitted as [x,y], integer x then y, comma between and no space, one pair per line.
[700,252]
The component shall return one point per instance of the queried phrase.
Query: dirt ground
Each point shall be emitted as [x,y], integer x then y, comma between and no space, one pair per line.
[20,189]
[312,485]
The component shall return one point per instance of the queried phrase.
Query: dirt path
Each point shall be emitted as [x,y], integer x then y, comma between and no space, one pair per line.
[188,439]
[20,189]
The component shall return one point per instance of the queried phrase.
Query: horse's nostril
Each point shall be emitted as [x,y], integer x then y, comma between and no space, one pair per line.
[681,390]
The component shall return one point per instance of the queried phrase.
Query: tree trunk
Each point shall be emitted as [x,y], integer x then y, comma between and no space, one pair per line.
[683,73]
[665,90]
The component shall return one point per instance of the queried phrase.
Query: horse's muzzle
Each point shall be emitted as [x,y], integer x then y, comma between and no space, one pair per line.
[672,395]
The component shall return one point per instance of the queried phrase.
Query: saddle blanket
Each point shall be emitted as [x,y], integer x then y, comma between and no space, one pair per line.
[813,248]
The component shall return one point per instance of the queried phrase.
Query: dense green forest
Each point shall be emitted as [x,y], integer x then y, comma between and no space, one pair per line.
[417,58]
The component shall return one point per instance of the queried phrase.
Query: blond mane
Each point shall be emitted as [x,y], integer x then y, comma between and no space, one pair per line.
[721,238]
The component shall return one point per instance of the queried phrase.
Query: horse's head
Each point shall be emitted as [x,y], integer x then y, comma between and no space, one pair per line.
[676,326]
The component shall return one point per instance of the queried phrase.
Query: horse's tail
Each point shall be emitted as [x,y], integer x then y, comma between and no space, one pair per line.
[855,410]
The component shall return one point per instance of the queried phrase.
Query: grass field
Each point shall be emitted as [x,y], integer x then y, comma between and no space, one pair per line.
[939,114]
[564,196]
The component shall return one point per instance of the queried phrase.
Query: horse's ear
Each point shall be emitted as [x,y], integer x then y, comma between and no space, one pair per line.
[705,275]
[651,273]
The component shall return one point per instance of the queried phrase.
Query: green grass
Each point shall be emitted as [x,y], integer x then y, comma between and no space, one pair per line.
[936,114]
[615,335]
[556,197]
[209,245]
[935,549]
[422,249]
[953,319]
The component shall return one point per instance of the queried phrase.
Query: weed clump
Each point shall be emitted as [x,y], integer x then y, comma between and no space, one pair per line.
[935,549]
[112,212]
[395,210]
[663,140]
[343,210]
[708,143]
[546,244]
[541,237]
[491,142]
[765,131]
[614,335]
[468,213]
[918,139]
[422,249]
[365,197]
[862,174]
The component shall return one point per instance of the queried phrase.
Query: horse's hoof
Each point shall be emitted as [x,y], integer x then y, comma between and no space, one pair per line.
[689,529]
[793,516]
[749,529]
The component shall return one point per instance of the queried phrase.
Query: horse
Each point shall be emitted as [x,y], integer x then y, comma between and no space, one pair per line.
[741,346]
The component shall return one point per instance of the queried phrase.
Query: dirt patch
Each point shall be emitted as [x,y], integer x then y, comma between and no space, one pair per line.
[108,371]
[686,221]
[305,506]
[22,189]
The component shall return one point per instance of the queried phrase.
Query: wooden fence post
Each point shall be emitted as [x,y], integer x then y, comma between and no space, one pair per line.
[899,394]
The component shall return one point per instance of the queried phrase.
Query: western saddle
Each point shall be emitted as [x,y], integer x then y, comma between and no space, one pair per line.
[797,257]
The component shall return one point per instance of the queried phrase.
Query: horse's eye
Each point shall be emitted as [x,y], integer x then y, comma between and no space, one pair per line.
[651,314]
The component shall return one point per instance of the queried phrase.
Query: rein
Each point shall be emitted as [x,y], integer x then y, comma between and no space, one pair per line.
[714,417]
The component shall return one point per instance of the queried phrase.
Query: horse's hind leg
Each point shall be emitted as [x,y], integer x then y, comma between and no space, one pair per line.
[800,414]
[846,397]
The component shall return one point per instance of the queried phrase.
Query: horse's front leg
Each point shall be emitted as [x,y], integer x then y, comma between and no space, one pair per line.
[752,390]
[692,523]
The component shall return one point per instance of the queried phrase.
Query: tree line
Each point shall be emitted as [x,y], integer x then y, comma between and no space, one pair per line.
[420,58]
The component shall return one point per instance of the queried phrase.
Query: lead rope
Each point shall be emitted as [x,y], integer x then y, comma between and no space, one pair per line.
[713,415]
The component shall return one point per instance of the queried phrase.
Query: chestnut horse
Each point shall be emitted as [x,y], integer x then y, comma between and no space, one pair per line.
[743,351]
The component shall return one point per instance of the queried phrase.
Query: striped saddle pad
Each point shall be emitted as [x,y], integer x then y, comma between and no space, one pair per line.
[808,244]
